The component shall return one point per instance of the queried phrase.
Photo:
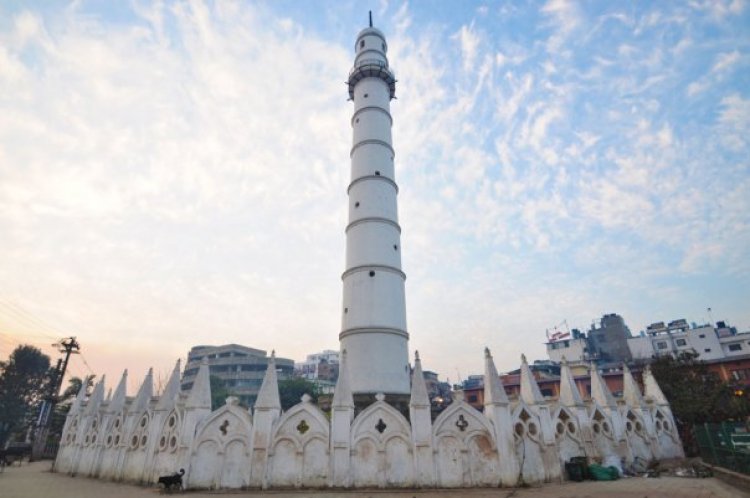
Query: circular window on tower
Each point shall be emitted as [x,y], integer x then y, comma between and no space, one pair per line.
[372,273]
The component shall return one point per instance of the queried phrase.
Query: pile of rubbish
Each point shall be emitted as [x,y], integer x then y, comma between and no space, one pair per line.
[612,468]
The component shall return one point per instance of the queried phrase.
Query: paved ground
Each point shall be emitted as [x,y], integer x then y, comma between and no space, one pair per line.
[35,481]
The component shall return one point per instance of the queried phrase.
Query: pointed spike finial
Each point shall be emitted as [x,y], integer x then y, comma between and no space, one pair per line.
[342,394]
[268,395]
[494,392]
[419,396]
[530,392]
[371,19]
[569,393]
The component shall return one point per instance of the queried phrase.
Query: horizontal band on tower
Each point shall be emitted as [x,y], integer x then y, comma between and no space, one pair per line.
[372,141]
[371,108]
[371,219]
[376,330]
[372,177]
[356,269]
[363,52]
[369,32]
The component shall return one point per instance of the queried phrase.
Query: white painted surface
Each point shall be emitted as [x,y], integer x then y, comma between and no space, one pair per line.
[373,309]
[229,448]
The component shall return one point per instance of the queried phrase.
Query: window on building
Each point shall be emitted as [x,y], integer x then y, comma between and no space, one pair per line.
[707,350]
[681,342]
[547,393]
[735,347]
[661,345]
[473,398]
[702,336]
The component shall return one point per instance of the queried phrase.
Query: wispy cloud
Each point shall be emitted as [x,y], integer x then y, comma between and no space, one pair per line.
[177,174]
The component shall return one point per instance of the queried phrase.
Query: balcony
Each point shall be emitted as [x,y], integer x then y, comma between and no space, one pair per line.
[371,68]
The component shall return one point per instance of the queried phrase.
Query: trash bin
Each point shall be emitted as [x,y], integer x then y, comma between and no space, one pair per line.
[575,471]
[583,462]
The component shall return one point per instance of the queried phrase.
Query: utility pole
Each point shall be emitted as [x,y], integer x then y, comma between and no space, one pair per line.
[67,346]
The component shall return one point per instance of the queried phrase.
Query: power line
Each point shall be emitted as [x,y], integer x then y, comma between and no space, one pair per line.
[28,317]
[91,370]
[13,341]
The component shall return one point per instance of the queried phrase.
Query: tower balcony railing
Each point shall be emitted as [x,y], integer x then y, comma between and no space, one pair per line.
[374,68]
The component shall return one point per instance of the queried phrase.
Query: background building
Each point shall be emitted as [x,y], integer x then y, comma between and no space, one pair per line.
[609,341]
[574,347]
[708,342]
[240,368]
[605,344]
[319,366]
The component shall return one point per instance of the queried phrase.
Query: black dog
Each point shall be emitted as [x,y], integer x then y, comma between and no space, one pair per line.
[173,481]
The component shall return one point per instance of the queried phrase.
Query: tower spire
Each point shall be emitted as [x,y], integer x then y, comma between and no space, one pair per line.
[371,19]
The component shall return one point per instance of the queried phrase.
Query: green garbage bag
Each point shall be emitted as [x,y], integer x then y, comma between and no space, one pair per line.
[599,473]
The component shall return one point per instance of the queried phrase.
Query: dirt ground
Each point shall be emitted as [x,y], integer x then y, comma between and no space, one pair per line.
[36,481]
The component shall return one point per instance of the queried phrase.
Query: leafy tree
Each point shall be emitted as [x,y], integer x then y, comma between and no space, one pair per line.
[64,401]
[219,392]
[24,380]
[291,390]
[74,387]
[697,395]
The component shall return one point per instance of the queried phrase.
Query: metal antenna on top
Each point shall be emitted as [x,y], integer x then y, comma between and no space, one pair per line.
[371,19]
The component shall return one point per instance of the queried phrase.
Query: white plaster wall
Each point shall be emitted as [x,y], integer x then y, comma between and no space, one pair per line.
[374,243]
[371,157]
[462,444]
[381,454]
[376,301]
[390,373]
[373,46]
[377,91]
[640,347]
[371,124]
[376,198]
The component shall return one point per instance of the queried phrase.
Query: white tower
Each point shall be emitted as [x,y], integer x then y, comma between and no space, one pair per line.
[373,330]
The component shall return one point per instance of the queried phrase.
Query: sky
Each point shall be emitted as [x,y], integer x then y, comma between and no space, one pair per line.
[174,173]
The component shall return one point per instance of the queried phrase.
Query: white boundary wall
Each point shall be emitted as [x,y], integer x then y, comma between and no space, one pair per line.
[527,440]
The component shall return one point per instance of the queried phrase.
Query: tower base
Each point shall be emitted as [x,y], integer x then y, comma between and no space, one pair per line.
[399,401]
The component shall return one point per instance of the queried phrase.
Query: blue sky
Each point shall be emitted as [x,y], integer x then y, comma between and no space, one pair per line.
[174,173]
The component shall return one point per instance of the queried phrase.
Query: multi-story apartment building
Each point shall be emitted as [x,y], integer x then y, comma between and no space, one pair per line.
[709,342]
[319,366]
[240,368]
[605,344]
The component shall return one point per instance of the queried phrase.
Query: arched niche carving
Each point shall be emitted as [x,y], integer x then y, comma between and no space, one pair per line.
[465,448]
[299,450]
[382,452]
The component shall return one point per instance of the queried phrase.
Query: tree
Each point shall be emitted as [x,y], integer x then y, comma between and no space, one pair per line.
[219,392]
[74,387]
[697,395]
[24,381]
[291,391]
[64,401]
